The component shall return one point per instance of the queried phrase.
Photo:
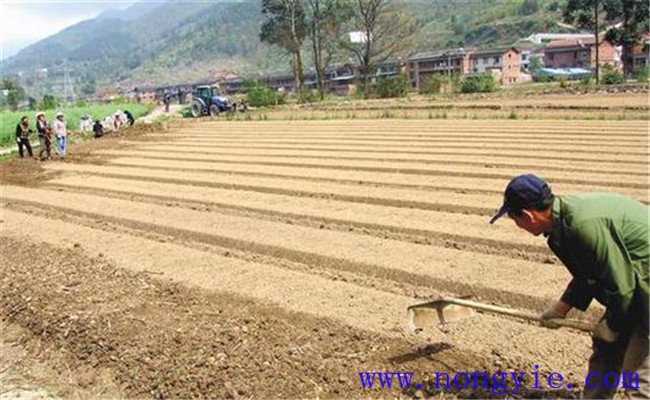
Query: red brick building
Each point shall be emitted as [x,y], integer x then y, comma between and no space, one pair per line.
[580,53]
[503,64]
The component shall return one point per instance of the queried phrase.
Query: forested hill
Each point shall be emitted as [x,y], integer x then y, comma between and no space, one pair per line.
[171,42]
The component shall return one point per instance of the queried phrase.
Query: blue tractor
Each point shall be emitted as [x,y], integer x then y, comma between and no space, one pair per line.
[207,101]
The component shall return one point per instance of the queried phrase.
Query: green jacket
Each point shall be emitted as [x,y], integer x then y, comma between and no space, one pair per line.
[603,240]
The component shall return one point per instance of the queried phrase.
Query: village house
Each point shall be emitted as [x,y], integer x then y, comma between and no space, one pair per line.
[503,64]
[282,82]
[641,53]
[423,65]
[580,53]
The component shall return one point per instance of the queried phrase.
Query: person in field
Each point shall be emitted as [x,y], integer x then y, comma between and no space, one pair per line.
[60,130]
[44,136]
[84,123]
[129,117]
[603,240]
[167,98]
[98,129]
[22,136]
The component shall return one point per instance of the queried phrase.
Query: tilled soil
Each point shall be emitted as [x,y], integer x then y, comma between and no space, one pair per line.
[276,259]
[162,339]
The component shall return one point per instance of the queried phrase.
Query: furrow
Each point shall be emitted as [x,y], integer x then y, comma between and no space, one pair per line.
[483,162]
[455,183]
[475,153]
[358,307]
[635,182]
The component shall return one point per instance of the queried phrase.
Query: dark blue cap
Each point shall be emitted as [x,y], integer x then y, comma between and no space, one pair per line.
[524,191]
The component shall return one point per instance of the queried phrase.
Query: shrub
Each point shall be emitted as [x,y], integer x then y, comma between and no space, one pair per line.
[564,82]
[479,83]
[49,103]
[433,84]
[586,80]
[310,95]
[260,95]
[642,74]
[391,87]
[611,76]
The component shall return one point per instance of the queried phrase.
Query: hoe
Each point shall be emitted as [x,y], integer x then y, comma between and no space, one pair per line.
[449,309]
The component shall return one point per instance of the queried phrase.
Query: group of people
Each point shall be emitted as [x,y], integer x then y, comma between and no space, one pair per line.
[44,130]
[59,129]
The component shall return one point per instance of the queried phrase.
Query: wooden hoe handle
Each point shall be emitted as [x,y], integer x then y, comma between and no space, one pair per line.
[568,323]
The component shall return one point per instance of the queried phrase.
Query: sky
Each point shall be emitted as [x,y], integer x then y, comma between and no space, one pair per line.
[23,22]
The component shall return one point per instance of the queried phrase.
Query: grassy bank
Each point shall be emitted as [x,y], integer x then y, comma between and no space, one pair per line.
[9,120]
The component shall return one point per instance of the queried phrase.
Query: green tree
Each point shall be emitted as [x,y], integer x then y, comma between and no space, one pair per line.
[285,26]
[479,83]
[529,7]
[89,86]
[325,21]
[535,64]
[386,30]
[632,14]
[635,18]
[33,103]
[15,93]
[48,103]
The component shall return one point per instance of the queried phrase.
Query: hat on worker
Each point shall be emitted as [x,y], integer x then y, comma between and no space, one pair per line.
[38,114]
[523,192]
[59,114]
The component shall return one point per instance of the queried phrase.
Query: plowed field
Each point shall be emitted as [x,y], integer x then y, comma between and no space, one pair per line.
[277,259]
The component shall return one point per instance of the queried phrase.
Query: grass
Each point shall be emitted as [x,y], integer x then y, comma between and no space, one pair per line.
[9,120]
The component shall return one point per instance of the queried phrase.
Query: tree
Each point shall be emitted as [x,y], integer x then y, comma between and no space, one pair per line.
[633,15]
[48,103]
[285,26]
[635,18]
[15,93]
[89,86]
[585,15]
[325,21]
[535,64]
[529,7]
[386,31]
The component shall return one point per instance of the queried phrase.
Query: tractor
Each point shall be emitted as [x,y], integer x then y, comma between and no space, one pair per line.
[207,101]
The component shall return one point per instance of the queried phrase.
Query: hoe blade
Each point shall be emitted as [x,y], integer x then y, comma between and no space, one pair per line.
[435,313]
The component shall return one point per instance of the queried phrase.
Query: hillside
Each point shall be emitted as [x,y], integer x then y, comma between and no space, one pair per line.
[171,42]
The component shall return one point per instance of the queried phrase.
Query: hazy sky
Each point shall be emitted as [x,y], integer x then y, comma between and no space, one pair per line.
[23,22]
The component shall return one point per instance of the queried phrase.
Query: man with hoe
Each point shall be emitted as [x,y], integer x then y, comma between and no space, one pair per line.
[603,241]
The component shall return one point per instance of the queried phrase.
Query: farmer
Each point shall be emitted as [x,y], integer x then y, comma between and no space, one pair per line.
[98,129]
[44,136]
[84,123]
[167,99]
[602,239]
[117,120]
[61,135]
[22,136]
[129,117]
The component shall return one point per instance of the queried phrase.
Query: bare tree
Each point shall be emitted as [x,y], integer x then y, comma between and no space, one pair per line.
[386,31]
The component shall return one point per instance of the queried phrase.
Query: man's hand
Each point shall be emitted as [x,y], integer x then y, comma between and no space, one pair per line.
[17,140]
[603,332]
[558,310]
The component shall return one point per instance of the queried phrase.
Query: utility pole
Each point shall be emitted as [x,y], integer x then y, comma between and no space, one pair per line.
[596,41]
[67,84]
